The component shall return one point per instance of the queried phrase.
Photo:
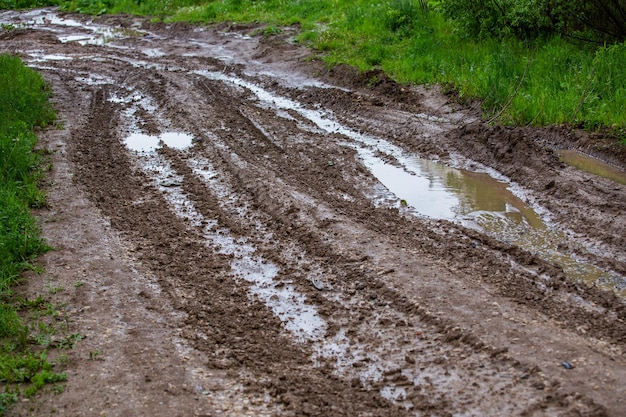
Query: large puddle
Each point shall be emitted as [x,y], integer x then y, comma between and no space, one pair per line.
[479,201]
[431,189]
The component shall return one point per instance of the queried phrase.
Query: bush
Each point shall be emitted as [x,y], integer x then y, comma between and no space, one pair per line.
[592,20]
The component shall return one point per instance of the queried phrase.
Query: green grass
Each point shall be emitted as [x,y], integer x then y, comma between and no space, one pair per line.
[24,107]
[25,4]
[544,82]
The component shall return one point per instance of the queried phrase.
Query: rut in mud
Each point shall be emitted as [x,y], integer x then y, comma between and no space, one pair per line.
[241,183]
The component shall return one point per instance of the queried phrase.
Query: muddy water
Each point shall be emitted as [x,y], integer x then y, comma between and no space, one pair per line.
[140,142]
[479,201]
[592,165]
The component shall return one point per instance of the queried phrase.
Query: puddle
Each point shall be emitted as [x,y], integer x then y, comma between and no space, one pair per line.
[140,142]
[592,165]
[438,191]
[41,57]
[99,35]
[94,79]
[48,19]
[153,52]
[481,202]
[431,189]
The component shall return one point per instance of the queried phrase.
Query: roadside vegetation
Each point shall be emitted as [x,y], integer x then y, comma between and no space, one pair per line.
[529,62]
[24,334]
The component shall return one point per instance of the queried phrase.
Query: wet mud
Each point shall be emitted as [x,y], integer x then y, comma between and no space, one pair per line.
[252,229]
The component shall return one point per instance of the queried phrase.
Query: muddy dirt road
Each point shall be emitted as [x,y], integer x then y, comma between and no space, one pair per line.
[238,232]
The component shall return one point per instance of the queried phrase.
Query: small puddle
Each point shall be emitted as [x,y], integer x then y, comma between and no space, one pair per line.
[140,142]
[41,57]
[431,189]
[592,165]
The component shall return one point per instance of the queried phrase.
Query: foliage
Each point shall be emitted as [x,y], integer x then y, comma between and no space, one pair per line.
[23,106]
[26,4]
[500,18]
[402,15]
[605,18]
[141,7]
[594,20]
[28,368]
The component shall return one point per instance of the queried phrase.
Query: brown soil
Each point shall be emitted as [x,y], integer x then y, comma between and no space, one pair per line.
[419,317]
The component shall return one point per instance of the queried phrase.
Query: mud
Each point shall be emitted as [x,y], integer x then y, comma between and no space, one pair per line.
[236,255]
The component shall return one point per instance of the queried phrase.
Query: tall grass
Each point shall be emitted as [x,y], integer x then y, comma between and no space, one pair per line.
[24,106]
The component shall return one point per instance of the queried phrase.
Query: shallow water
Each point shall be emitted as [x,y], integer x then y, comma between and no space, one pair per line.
[592,165]
[479,201]
[140,142]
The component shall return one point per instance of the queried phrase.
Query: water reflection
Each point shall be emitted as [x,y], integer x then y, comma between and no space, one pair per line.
[592,165]
[479,201]
[140,142]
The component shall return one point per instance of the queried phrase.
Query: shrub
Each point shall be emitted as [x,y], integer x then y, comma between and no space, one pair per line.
[592,20]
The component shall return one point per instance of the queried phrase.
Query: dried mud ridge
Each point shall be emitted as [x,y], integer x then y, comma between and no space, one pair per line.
[391,314]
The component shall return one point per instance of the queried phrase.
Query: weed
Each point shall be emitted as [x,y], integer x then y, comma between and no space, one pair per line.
[25,304]
[58,389]
[28,368]
[41,378]
[63,360]
[6,398]
[54,289]
[70,341]
[402,15]
[93,355]
[272,30]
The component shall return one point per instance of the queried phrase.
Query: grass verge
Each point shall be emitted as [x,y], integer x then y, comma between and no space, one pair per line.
[24,107]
